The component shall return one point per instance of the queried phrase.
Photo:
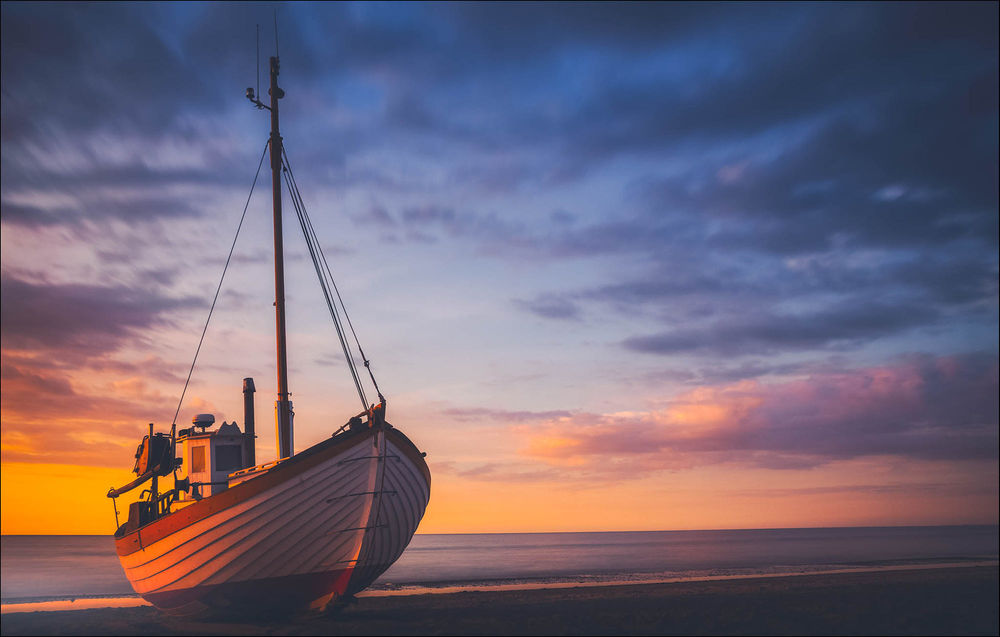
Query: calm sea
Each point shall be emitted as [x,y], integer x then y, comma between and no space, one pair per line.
[75,566]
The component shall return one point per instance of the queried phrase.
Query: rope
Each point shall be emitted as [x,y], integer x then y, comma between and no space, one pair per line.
[326,281]
[219,288]
[326,266]
[312,242]
[313,245]
[336,290]
[329,273]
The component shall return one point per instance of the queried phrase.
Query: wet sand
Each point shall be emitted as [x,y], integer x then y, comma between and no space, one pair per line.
[931,601]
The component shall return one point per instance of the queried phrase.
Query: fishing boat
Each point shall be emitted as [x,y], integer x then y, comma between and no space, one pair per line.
[302,532]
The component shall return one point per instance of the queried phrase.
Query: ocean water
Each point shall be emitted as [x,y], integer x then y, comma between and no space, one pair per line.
[36,568]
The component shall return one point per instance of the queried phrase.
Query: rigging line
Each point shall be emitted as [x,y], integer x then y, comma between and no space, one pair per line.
[221,279]
[312,245]
[348,355]
[350,324]
[294,187]
[329,276]
[312,236]
[312,242]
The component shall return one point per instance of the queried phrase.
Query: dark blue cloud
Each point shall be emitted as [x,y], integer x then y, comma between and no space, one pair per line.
[551,306]
[765,332]
[760,159]
[78,319]
[83,65]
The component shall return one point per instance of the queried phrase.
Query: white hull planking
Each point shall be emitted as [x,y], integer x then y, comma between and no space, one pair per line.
[357,510]
[394,518]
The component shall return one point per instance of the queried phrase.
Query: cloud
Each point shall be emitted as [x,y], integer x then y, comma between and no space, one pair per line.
[756,333]
[506,472]
[82,66]
[717,373]
[748,180]
[80,211]
[756,177]
[430,223]
[85,319]
[753,84]
[71,394]
[469,414]
[923,407]
[891,489]
[551,306]
[50,415]
[375,215]
[824,189]
[841,299]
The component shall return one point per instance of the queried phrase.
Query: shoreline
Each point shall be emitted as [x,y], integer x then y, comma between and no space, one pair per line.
[942,600]
[88,602]
[528,586]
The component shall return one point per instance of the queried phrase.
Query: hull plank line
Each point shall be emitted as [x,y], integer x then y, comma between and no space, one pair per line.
[273,545]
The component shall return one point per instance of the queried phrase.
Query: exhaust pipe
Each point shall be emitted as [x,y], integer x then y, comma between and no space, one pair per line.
[248,422]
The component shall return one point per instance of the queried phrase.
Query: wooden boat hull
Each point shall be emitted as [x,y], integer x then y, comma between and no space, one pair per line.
[322,524]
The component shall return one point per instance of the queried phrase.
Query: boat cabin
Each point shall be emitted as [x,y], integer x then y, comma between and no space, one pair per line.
[208,457]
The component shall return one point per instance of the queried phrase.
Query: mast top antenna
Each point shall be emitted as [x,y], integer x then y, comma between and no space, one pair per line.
[275,33]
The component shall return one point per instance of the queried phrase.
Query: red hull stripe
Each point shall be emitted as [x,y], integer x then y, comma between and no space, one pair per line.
[291,592]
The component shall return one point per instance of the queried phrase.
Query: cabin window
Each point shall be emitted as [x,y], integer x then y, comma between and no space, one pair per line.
[228,458]
[197,459]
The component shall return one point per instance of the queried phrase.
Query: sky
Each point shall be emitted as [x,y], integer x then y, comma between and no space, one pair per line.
[616,266]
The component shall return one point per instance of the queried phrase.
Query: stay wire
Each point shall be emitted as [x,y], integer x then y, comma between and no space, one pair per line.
[315,252]
[219,288]
[326,266]
[343,306]
[312,245]
[329,273]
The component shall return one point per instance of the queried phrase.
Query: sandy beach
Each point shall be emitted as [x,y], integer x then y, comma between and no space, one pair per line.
[930,601]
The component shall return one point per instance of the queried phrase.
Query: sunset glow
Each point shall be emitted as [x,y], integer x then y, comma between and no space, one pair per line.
[617,267]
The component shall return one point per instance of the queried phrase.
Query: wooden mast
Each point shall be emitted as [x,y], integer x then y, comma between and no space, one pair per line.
[283,407]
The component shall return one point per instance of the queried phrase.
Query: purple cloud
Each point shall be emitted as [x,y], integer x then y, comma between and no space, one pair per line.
[923,407]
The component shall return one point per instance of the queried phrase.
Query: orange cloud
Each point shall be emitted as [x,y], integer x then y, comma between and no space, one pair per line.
[50,415]
[923,407]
